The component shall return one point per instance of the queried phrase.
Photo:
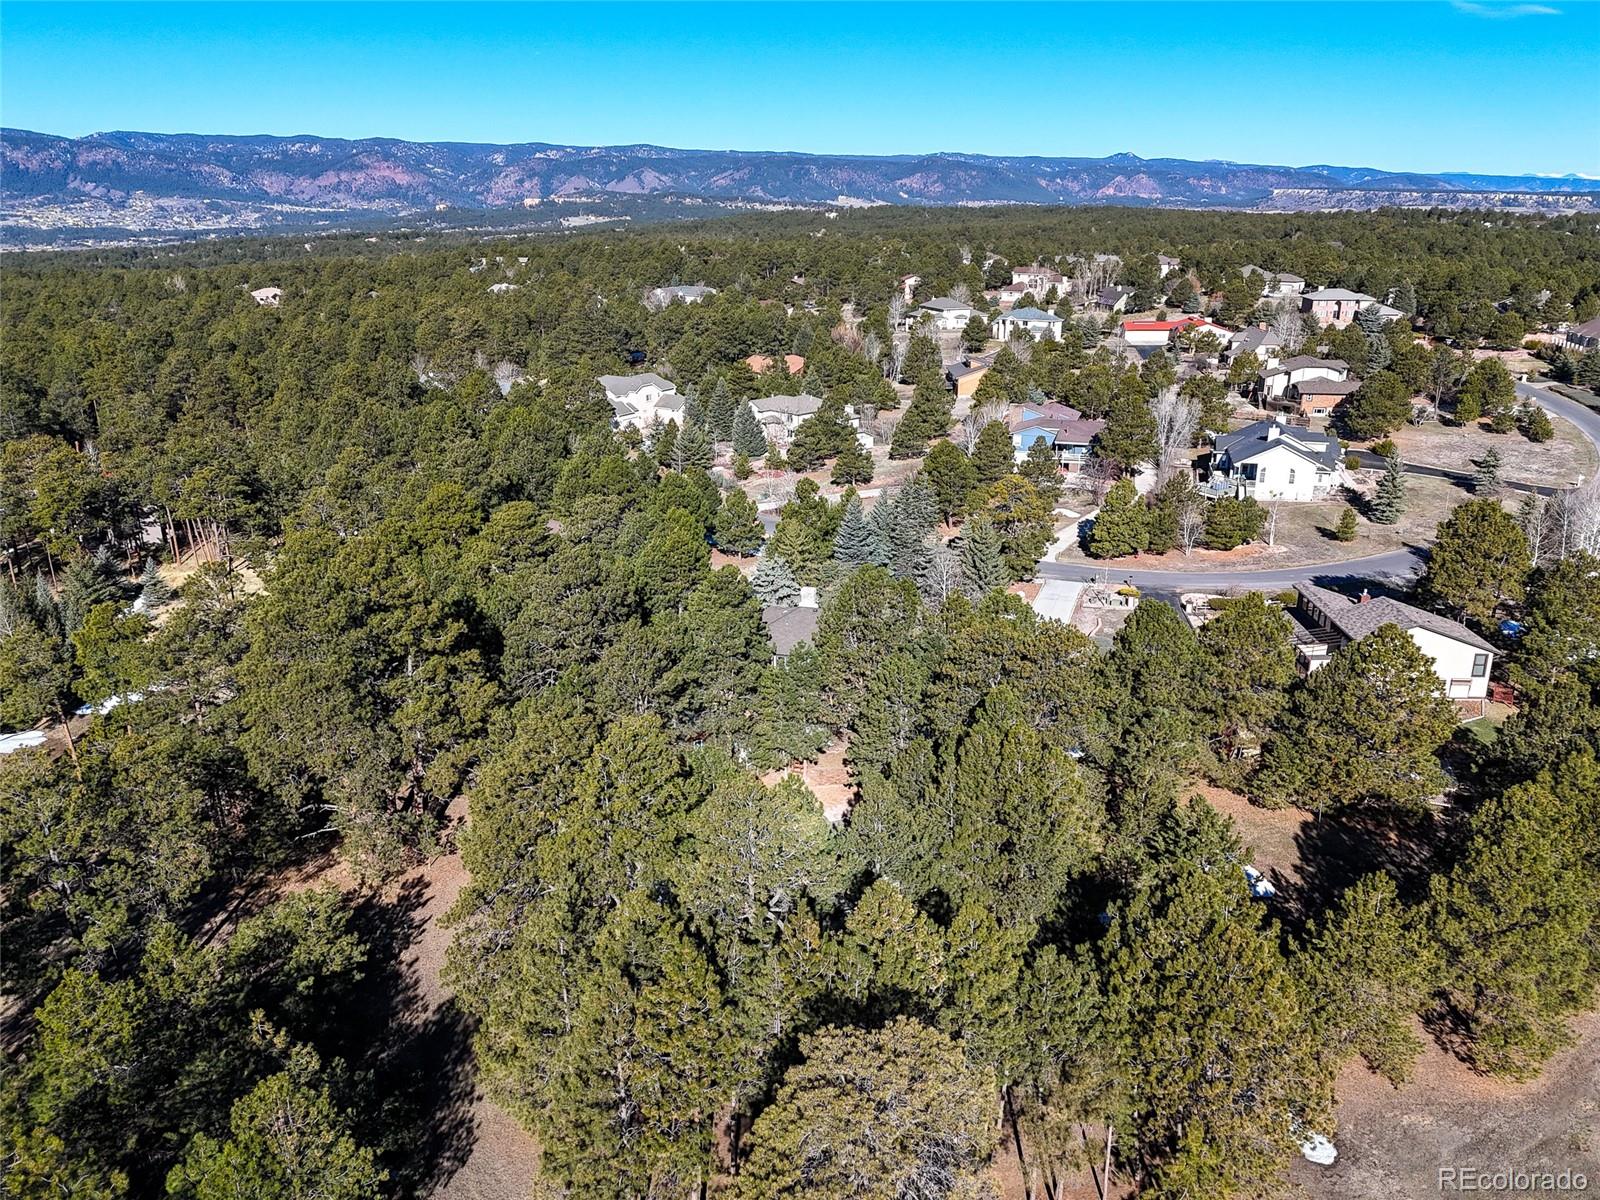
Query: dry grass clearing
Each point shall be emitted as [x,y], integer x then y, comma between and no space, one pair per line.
[1562,460]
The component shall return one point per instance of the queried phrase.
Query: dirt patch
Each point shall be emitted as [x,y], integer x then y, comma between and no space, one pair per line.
[828,779]
[1562,460]
[1272,837]
[1393,1141]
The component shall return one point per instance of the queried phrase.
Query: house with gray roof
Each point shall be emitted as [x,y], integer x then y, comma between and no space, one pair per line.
[1272,461]
[1325,621]
[1034,322]
[1113,299]
[947,314]
[678,293]
[639,401]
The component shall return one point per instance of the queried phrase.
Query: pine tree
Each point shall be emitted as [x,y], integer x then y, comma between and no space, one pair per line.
[857,541]
[854,464]
[1516,917]
[1364,728]
[982,565]
[748,439]
[691,450]
[88,580]
[893,1111]
[774,583]
[1346,529]
[1365,971]
[1391,499]
[1487,480]
[153,590]
[1479,561]
[738,525]
[1536,426]
[914,517]
[1123,524]
[721,411]
[950,474]
[991,454]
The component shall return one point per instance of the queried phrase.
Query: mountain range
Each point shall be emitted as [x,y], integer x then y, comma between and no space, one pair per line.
[147,183]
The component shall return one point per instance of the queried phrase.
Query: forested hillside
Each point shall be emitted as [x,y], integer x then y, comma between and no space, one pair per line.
[419,564]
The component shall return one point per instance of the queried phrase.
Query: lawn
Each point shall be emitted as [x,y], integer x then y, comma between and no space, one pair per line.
[1562,460]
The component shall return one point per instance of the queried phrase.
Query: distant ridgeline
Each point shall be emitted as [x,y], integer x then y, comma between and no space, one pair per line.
[57,188]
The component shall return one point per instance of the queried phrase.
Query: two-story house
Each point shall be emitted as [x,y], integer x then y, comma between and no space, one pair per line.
[946,314]
[1276,381]
[1034,322]
[1062,428]
[1271,461]
[638,401]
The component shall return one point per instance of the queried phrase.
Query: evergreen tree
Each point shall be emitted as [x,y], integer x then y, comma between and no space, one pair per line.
[1536,424]
[1123,524]
[1391,499]
[1379,406]
[1231,522]
[153,590]
[1209,1034]
[1364,728]
[1022,519]
[1346,530]
[951,475]
[287,1138]
[853,465]
[913,519]
[858,541]
[738,527]
[982,564]
[991,454]
[1487,480]
[1479,561]
[1365,971]
[748,439]
[1516,919]
[894,1111]
[722,411]
[774,583]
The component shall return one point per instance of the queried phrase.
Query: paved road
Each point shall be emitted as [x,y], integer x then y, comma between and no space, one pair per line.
[1585,418]
[1395,566]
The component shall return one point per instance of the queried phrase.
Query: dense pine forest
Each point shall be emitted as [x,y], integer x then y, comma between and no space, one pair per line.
[415,563]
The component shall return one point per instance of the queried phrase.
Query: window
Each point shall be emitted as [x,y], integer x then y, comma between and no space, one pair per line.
[1291,474]
[1480,665]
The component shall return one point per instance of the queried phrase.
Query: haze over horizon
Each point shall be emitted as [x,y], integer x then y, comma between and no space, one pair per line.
[1419,87]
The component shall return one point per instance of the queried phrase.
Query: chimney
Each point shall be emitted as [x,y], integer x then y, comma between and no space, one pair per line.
[1364,597]
[808,597]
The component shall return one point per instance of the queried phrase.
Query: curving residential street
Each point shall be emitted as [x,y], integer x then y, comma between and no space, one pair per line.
[1393,567]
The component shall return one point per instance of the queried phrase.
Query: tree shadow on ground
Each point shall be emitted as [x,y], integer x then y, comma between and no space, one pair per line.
[1339,848]
[415,1058]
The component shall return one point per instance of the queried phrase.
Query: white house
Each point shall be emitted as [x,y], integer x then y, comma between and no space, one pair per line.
[908,286]
[1275,284]
[1037,279]
[1275,381]
[267,297]
[948,315]
[686,293]
[1164,333]
[1272,461]
[780,416]
[637,401]
[1327,621]
[1258,340]
[1167,263]
[1034,322]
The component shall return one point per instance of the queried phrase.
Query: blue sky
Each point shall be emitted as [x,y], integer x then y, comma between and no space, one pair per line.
[1426,86]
